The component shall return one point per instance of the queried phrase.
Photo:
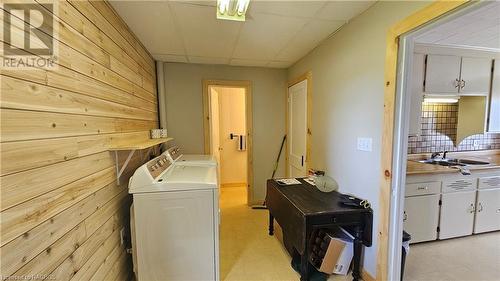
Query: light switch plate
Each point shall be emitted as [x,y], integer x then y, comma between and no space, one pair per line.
[364,144]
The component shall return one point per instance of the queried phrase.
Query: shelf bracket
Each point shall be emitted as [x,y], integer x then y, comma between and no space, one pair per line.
[119,171]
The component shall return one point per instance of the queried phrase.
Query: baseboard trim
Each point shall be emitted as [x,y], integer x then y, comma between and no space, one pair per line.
[366,276]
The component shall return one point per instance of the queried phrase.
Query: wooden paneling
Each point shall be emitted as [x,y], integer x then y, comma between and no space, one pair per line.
[61,208]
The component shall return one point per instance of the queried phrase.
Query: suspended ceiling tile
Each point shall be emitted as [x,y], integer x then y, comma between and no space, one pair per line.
[244,62]
[306,9]
[343,10]
[279,64]
[152,24]
[203,34]
[208,60]
[170,58]
[265,35]
[308,38]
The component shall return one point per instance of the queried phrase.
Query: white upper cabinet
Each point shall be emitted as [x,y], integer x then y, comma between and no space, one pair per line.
[416,93]
[494,106]
[453,75]
[442,74]
[475,76]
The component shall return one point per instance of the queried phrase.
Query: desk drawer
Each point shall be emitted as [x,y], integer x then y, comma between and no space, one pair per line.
[423,188]
[341,219]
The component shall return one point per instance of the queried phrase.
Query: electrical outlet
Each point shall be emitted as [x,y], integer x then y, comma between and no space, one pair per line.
[365,144]
[122,236]
[477,143]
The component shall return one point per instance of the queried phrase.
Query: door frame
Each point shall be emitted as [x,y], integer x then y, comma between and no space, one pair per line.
[306,76]
[247,85]
[393,154]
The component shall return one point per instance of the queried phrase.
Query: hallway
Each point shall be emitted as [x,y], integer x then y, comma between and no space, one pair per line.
[246,251]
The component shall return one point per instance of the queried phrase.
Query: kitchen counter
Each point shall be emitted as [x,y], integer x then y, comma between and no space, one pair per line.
[414,167]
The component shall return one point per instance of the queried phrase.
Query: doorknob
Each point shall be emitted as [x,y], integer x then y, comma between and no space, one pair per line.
[405,216]
[302,161]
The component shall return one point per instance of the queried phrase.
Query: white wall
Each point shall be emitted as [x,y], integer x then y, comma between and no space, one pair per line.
[348,84]
[232,120]
[183,98]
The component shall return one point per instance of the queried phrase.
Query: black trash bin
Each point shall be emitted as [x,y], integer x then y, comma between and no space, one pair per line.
[406,238]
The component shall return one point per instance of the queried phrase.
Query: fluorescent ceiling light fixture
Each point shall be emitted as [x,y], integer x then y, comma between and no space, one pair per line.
[440,100]
[232,9]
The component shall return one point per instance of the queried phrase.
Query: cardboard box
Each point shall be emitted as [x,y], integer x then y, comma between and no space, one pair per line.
[334,251]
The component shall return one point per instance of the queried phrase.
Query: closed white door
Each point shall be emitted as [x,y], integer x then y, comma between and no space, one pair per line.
[416,94]
[475,76]
[442,74]
[297,129]
[175,235]
[421,217]
[494,110]
[457,214]
[488,211]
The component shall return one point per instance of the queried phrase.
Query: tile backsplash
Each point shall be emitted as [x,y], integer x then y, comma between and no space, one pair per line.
[439,128]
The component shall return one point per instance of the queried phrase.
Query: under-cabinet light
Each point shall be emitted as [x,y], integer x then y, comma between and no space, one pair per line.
[232,9]
[440,100]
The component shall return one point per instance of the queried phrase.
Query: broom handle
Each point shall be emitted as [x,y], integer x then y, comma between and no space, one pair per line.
[278,159]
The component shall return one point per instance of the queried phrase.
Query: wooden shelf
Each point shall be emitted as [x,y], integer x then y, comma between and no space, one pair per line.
[138,145]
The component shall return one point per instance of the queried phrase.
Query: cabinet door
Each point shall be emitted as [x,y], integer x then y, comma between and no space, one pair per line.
[417,93]
[494,106]
[421,214]
[457,214]
[488,211]
[475,76]
[442,74]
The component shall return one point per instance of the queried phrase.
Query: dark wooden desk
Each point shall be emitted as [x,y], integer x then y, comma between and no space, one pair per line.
[300,209]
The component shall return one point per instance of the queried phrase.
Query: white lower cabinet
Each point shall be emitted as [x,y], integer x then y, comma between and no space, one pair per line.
[457,214]
[487,211]
[421,217]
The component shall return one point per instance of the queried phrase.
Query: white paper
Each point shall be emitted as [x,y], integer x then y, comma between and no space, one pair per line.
[291,181]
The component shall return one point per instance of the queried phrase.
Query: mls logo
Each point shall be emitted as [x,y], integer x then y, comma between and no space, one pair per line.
[28,35]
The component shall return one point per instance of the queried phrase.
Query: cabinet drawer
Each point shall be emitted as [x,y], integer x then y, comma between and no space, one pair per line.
[459,185]
[489,182]
[423,188]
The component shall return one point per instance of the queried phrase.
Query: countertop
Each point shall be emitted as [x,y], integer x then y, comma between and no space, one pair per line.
[414,167]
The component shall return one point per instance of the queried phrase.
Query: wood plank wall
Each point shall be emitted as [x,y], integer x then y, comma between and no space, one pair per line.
[61,208]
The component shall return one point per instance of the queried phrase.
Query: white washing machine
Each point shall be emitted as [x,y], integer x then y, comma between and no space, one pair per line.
[175,221]
[175,156]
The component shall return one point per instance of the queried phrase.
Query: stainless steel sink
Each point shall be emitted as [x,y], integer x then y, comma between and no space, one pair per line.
[453,162]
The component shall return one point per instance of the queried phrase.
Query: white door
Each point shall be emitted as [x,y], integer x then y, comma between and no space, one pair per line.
[421,217]
[416,94]
[175,235]
[457,214]
[214,126]
[475,76]
[297,129]
[488,211]
[494,110]
[442,74]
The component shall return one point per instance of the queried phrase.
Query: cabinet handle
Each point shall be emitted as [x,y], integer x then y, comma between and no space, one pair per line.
[472,209]
[480,208]
[462,84]
[422,188]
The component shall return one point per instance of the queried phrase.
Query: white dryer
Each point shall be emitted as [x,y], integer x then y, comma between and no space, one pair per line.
[175,156]
[175,221]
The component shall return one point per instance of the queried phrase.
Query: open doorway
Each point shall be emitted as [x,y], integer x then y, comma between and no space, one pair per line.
[445,148]
[227,132]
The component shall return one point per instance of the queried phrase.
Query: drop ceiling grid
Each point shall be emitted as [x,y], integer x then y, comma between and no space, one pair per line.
[276,34]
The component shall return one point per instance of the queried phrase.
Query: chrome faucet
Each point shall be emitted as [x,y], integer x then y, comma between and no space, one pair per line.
[435,154]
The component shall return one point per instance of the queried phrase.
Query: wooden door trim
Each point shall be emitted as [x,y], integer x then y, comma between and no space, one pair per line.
[421,17]
[249,123]
[306,76]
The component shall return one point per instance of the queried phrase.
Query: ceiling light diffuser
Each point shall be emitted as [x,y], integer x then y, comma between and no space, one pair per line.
[232,9]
